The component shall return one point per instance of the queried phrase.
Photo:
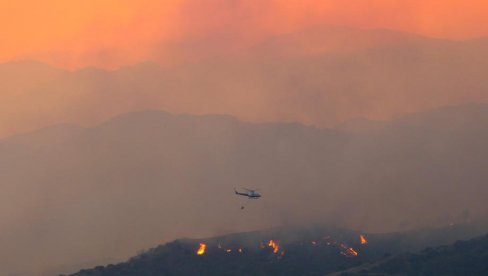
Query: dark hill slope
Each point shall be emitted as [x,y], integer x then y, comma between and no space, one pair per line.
[461,258]
[281,251]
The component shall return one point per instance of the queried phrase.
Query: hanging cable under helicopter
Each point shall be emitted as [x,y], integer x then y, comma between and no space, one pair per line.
[249,193]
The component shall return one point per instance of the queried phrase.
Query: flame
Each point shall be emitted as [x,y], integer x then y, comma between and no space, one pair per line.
[363,239]
[274,245]
[201,249]
[352,251]
[348,251]
[228,250]
[240,250]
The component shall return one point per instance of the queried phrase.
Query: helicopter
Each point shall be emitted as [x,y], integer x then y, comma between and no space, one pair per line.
[251,194]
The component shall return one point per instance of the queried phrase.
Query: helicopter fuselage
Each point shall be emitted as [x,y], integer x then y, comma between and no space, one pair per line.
[251,195]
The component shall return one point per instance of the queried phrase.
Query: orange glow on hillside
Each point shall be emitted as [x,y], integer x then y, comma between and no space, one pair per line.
[348,251]
[201,249]
[363,239]
[275,245]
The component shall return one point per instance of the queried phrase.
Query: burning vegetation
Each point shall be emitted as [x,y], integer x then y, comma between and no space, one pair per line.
[201,249]
[263,253]
[276,248]
[348,251]
[312,252]
[363,239]
[274,245]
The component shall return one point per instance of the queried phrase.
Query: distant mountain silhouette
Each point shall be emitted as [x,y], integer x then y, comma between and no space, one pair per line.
[361,126]
[321,76]
[143,178]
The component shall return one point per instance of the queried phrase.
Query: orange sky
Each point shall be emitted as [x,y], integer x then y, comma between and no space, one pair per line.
[110,33]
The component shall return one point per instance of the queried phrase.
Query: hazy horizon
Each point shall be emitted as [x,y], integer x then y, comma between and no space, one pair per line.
[137,171]
[302,81]
[124,125]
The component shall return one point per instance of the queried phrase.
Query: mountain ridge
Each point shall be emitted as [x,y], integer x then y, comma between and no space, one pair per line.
[113,189]
[324,88]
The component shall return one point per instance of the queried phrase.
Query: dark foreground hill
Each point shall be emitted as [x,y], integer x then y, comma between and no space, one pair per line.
[296,251]
[461,258]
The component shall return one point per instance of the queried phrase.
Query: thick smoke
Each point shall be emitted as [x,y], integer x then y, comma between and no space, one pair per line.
[386,75]
[145,178]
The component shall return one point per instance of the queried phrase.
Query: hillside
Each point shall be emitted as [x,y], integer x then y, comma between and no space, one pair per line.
[283,251]
[461,258]
[145,178]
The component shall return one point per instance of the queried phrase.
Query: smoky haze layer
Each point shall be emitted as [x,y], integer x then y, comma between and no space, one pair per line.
[75,196]
[321,76]
[110,33]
